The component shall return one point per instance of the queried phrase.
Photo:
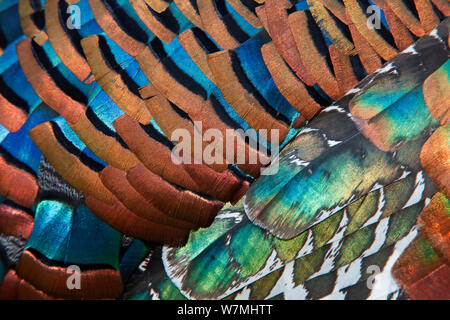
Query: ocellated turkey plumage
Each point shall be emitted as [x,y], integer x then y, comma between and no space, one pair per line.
[88,109]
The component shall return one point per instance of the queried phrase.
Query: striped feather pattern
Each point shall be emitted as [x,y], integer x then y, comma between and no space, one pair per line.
[88,113]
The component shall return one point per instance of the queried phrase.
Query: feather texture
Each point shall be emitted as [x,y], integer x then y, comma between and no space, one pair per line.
[93,93]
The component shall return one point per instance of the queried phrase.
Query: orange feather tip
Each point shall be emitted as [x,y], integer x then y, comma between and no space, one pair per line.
[53,279]
[125,221]
[15,221]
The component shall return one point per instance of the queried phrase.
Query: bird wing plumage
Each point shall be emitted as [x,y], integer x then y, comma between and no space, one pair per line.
[92,92]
